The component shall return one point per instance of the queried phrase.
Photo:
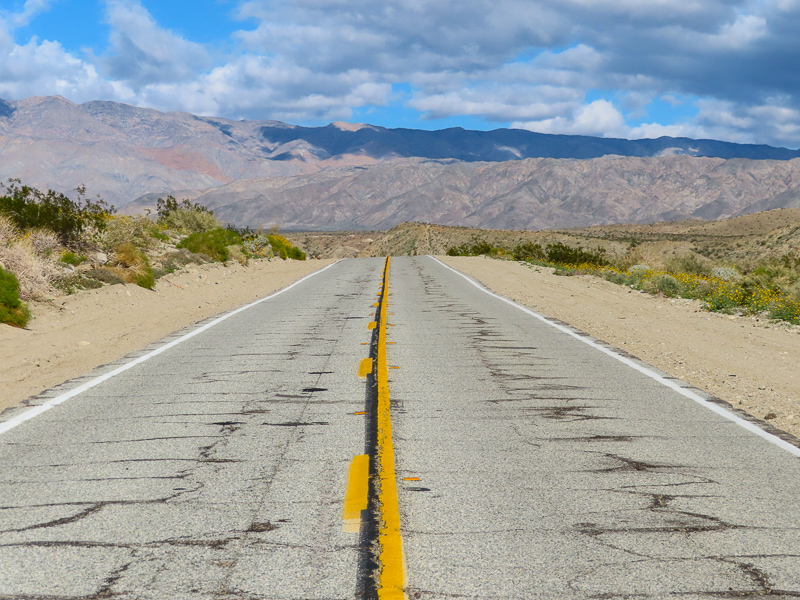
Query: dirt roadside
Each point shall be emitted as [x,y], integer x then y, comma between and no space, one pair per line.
[749,362]
[74,334]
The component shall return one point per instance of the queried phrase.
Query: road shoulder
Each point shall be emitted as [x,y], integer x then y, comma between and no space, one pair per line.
[746,361]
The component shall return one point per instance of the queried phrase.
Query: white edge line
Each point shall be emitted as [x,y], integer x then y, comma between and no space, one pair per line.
[650,373]
[37,410]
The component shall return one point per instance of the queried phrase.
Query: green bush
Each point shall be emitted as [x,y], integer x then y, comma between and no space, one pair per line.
[133,266]
[563,254]
[12,310]
[689,263]
[528,251]
[30,208]
[475,247]
[70,258]
[662,283]
[212,243]
[283,248]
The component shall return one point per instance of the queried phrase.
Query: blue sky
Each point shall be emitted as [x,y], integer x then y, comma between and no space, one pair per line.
[722,69]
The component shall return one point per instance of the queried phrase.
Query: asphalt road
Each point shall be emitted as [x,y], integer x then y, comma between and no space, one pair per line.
[529,464]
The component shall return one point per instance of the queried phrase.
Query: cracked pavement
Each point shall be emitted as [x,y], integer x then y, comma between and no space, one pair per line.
[529,464]
[216,469]
[550,470]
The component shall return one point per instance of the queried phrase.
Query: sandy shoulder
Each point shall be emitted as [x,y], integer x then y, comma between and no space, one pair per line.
[750,363]
[94,327]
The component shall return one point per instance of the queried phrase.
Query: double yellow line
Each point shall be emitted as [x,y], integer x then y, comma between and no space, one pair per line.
[393,572]
[391,581]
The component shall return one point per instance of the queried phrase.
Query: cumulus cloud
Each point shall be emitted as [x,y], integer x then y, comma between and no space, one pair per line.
[538,64]
[143,53]
[599,118]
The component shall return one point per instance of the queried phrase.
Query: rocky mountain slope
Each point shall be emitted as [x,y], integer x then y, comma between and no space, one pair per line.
[525,194]
[123,152]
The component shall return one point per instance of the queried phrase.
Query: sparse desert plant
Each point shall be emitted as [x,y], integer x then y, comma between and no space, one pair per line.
[34,273]
[560,253]
[257,245]
[70,258]
[104,276]
[132,266]
[528,251]
[43,241]
[185,217]
[213,243]
[182,257]
[693,264]
[235,252]
[726,273]
[70,282]
[140,231]
[283,248]
[475,247]
[12,310]
[662,283]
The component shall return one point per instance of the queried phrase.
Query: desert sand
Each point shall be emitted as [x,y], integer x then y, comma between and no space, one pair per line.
[746,361]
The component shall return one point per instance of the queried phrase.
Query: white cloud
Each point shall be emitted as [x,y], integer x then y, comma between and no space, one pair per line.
[530,62]
[598,118]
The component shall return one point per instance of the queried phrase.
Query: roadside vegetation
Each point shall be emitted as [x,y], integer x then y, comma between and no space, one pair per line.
[768,286]
[51,244]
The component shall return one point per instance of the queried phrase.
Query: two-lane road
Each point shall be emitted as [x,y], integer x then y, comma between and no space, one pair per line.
[528,463]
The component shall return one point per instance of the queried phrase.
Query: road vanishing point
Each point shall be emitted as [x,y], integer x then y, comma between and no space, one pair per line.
[389,429]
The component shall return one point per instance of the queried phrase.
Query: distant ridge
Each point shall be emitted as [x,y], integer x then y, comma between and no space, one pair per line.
[122,152]
[361,176]
[506,144]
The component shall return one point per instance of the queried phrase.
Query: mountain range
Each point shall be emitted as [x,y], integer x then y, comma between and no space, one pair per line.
[360,176]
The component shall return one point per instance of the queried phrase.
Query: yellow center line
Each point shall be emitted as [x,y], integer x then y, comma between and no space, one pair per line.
[392,577]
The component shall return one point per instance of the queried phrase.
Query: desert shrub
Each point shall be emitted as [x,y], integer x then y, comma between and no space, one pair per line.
[283,248]
[182,257]
[12,310]
[236,252]
[662,283]
[528,251]
[140,231]
[689,263]
[475,247]
[636,274]
[71,282]
[257,245]
[213,243]
[186,217]
[786,309]
[132,266]
[69,219]
[70,258]
[726,273]
[34,273]
[103,276]
[42,241]
[561,253]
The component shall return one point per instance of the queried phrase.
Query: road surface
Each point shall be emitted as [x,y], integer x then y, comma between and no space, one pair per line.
[513,457]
